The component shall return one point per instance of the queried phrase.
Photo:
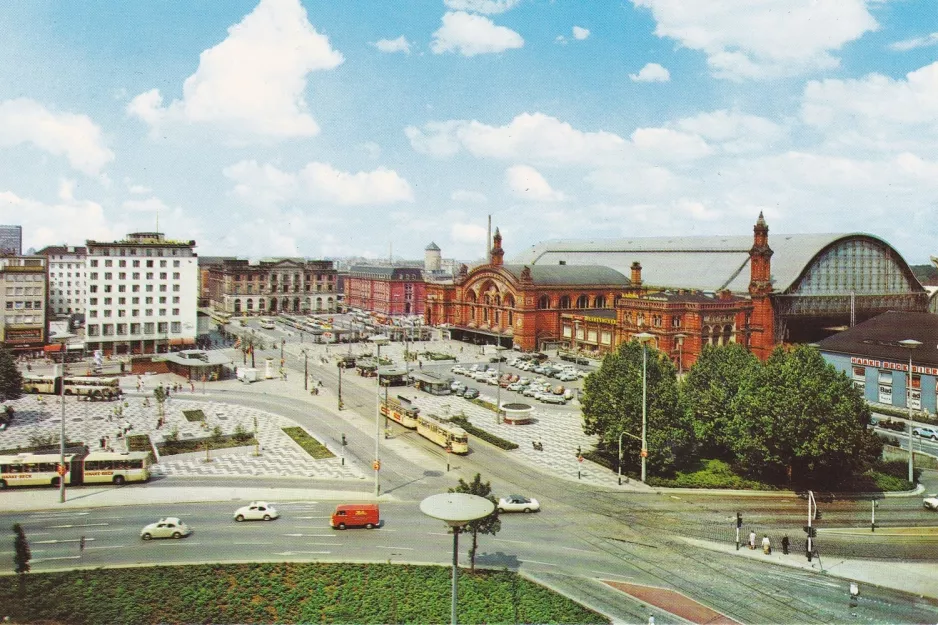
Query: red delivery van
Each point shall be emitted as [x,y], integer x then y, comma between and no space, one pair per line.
[355,515]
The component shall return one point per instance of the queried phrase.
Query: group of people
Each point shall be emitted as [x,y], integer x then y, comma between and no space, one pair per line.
[766,543]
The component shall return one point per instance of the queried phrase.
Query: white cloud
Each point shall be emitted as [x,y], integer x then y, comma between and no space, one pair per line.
[652,72]
[266,185]
[747,39]
[532,137]
[253,82]
[917,42]
[560,39]
[470,35]
[669,145]
[580,33]
[527,183]
[489,7]
[138,189]
[736,132]
[468,197]
[468,233]
[71,135]
[148,205]
[393,45]
[60,222]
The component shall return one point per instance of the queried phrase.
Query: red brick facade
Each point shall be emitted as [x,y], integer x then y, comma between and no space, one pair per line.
[596,309]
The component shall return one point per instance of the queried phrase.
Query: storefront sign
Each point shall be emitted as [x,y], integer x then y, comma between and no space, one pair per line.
[894,366]
[26,335]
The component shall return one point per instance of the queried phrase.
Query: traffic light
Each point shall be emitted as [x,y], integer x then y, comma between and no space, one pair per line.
[739,520]
[810,531]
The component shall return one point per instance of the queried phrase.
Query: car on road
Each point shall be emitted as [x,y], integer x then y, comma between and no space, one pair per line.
[167,527]
[455,386]
[926,432]
[931,502]
[268,325]
[256,511]
[518,503]
[471,393]
[461,391]
[458,369]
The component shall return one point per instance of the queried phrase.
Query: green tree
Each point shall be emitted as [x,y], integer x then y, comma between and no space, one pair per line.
[798,418]
[612,404]
[159,394]
[11,380]
[249,343]
[21,553]
[709,392]
[486,525]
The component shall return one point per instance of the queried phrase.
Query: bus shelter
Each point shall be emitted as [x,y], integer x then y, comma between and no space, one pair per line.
[432,383]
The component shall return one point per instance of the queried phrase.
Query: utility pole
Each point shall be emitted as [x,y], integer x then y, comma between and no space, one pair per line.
[305,370]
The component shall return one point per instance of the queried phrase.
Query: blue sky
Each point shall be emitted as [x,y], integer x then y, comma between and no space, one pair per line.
[281,127]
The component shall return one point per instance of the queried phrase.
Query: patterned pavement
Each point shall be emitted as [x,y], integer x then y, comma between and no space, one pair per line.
[89,422]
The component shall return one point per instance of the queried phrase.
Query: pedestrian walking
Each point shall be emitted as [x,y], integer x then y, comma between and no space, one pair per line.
[785,544]
[192,387]
[766,545]
[752,539]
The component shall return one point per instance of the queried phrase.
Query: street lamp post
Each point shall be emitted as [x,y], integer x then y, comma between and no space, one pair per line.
[456,510]
[498,391]
[644,337]
[910,344]
[62,339]
[305,370]
[340,367]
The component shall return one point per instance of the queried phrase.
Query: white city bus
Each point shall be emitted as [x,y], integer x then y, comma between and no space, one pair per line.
[92,387]
[99,467]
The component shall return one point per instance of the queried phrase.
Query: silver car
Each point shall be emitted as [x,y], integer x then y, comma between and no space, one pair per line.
[256,511]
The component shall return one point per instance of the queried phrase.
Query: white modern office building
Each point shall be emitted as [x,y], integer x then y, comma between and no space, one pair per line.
[66,289]
[142,294]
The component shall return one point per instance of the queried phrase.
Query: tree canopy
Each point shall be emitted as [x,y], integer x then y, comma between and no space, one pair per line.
[11,380]
[710,390]
[612,405]
[797,417]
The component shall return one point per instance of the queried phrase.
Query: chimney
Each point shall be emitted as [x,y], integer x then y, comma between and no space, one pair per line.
[636,274]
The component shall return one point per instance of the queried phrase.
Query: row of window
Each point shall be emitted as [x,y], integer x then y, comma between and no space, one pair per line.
[120,251]
[24,290]
[122,275]
[25,277]
[273,277]
[121,301]
[134,288]
[134,312]
[136,263]
[23,319]
[121,329]
[19,305]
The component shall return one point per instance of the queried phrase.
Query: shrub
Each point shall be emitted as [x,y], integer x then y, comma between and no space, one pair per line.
[918,415]
[488,437]
[241,434]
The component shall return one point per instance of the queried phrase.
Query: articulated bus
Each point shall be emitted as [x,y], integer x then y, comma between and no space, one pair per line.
[443,434]
[28,469]
[401,410]
[92,387]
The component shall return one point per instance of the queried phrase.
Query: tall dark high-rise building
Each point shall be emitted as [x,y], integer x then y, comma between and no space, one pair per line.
[11,240]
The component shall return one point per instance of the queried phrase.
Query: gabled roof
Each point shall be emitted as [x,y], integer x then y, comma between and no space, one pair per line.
[707,263]
[433,247]
[879,337]
[572,275]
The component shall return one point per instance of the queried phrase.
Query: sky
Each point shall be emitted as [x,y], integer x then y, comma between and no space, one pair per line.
[357,127]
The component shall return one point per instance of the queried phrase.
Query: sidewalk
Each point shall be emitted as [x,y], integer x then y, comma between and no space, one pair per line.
[919,578]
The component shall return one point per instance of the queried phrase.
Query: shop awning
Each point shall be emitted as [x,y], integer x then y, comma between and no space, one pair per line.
[52,348]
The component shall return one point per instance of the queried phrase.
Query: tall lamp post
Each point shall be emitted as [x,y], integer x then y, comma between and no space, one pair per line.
[910,344]
[62,339]
[644,337]
[456,510]
[498,387]
[305,370]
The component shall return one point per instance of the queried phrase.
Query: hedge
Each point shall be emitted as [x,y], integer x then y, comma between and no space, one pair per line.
[290,592]
[917,415]
[488,437]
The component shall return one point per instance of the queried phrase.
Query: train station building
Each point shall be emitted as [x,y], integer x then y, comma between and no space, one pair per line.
[588,296]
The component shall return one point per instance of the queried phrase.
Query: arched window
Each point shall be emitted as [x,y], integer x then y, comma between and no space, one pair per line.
[511,319]
[600,301]
[715,336]
[544,302]
[583,301]
[727,334]
[509,301]
[487,300]
[565,301]
[250,304]
[237,306]
[471,296]
[498,300]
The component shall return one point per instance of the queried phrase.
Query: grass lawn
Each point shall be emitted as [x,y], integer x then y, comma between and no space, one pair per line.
[313,447]
[282,593]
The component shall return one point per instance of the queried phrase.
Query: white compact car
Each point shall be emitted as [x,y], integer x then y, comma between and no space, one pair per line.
[168,527]
[518,503]
[931,502]
[256,511]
